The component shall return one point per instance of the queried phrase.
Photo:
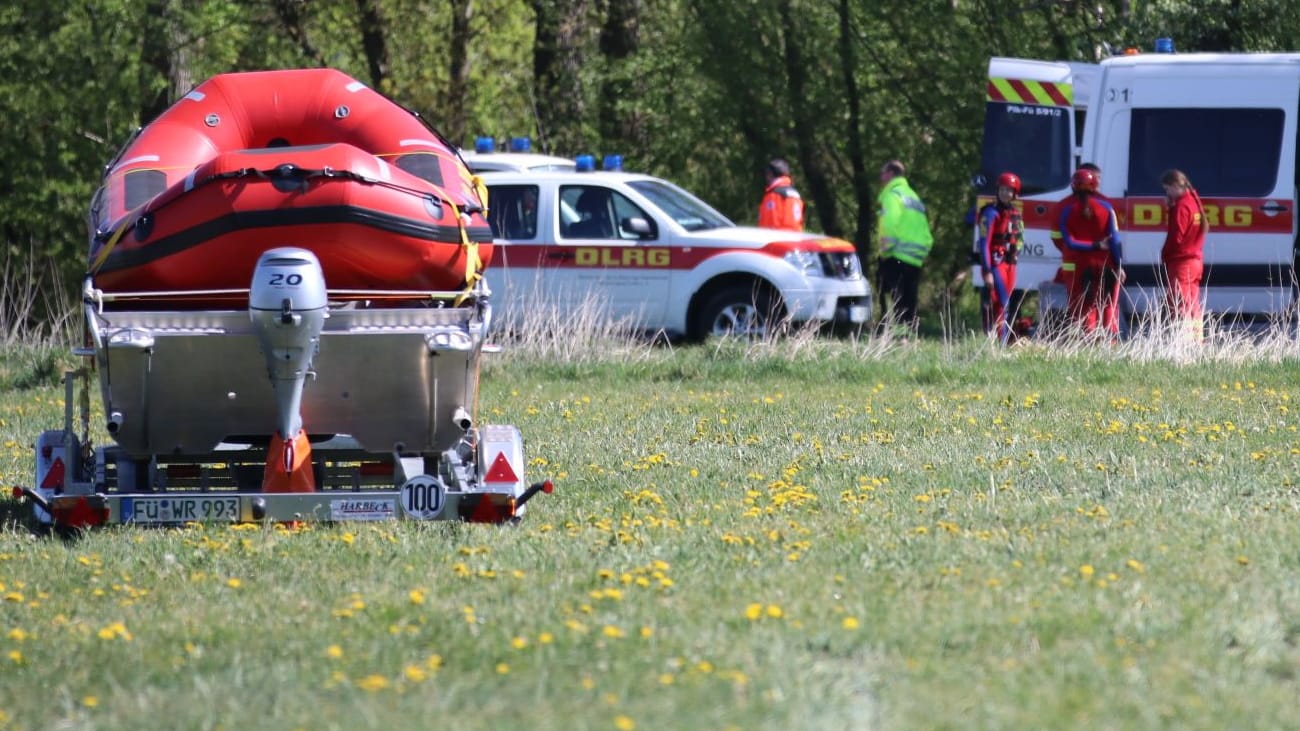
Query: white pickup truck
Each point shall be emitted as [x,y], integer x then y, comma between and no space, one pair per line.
[646,253]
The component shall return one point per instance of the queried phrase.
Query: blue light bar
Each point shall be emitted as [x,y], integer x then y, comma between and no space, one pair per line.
[520,144]
[1164,45]
[484,144]
[585,163]
[612,162]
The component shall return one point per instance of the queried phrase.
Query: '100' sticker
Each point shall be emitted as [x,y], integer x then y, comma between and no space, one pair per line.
[423,497]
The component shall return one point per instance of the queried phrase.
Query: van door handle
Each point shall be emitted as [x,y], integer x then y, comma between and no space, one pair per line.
[1273,208]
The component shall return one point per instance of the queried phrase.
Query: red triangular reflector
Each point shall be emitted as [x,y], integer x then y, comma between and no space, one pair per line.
[54,478]
[501,471]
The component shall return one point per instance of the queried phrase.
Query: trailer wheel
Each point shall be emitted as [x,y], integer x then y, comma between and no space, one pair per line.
[749,311]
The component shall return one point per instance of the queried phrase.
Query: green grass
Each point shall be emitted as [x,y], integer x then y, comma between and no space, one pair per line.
[804,535]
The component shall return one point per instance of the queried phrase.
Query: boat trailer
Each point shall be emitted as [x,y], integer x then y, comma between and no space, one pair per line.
[305,405]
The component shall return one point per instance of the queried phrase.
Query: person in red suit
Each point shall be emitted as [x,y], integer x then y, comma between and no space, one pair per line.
[781,207]
[1183,254]
[1001,233]
[1089,231]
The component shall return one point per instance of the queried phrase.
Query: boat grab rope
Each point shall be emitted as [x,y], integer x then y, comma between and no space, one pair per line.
[473,264]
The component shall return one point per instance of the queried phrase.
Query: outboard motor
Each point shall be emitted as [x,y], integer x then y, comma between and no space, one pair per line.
[287,303]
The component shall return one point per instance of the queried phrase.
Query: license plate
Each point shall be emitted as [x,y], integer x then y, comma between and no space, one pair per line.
[179,509]
[857,313]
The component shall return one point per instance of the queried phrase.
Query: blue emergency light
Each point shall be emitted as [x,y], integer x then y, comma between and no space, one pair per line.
[584,163]
[612,162]
[484,144]
[520,144]
[1164,45]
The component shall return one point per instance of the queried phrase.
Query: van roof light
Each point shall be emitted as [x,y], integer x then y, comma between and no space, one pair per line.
[484,144]
[1164,45]
[521,144]
[584,163]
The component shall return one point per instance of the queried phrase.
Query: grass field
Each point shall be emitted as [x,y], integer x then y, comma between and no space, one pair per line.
[820,535]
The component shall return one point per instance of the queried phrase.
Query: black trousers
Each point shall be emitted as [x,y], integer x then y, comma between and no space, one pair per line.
[899,284]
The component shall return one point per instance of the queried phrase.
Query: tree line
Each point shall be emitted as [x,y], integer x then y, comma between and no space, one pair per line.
[702,92]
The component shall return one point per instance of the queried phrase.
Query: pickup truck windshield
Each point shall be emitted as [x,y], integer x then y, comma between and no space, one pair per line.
[692,213]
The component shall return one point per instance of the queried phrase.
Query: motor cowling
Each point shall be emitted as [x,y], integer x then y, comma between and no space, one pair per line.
[287,303]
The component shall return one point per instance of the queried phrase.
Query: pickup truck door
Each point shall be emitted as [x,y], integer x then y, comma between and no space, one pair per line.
[606,261]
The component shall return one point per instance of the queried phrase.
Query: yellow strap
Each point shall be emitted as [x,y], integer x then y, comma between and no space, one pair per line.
[473,265]
[107,248]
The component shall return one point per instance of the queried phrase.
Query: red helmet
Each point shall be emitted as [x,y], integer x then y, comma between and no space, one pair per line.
[1084,180]
[1010,180]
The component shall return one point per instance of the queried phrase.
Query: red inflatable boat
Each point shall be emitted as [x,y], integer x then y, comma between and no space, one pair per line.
[309,158]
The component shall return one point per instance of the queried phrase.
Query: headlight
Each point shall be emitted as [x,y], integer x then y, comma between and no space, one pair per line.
[841,265]
[806,262]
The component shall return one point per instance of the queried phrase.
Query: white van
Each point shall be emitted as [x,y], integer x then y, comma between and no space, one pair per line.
[1227,120]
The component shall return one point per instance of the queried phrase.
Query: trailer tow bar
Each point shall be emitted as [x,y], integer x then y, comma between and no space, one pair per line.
[545,486]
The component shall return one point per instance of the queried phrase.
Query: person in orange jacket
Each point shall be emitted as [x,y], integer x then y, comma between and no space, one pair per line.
[1088,228]
[782,207]
[1183,254]
[1001,233]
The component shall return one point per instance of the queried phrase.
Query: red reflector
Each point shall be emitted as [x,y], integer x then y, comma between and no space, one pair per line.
[376,469]
[182,470]
[18,493]
[81,511]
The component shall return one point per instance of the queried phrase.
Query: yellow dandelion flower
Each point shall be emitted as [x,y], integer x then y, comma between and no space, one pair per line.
[704,666]
[414,673]
[849,623]
[334,652]
[774,611]
[90,701]
[753,612]
[18,634]
[587,682]
[373,683]
[15,656]
[667,679]
[623,723]
[416,596]
[519,643]
[503,669]
[647,632]
[434,662]
[1243,560]
[1086,571]
[610,630]
[233,583]
[546,638]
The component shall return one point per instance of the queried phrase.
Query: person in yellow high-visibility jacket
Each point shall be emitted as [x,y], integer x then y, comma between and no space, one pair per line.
[903,232]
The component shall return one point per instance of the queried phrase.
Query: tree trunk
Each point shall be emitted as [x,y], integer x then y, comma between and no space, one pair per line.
[165,71]
[619,39]
[374,43]
[454,115]
[558,55]
[862,235]
[805,128]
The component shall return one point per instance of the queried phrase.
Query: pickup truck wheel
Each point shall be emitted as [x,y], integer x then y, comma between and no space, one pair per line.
[742,311]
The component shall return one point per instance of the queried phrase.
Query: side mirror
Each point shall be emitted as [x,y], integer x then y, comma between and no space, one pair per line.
[638,226]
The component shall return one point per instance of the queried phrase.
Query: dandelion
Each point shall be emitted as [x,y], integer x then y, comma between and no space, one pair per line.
[503,669]
[373,683]
[416,596]
[90,701]
[15,657]
[850,623]
[647,632]
[334,652]
[434,662]
[519,643]
[414,673]
[1086,571]
[753,612]
[667,679]
[774,611]
[1243,560]
[18,634]
[623,723]
[613,631]
[233,583]
[545,638]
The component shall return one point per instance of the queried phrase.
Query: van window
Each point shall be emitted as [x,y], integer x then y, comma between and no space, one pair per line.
[1033,142]
[1225,152]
